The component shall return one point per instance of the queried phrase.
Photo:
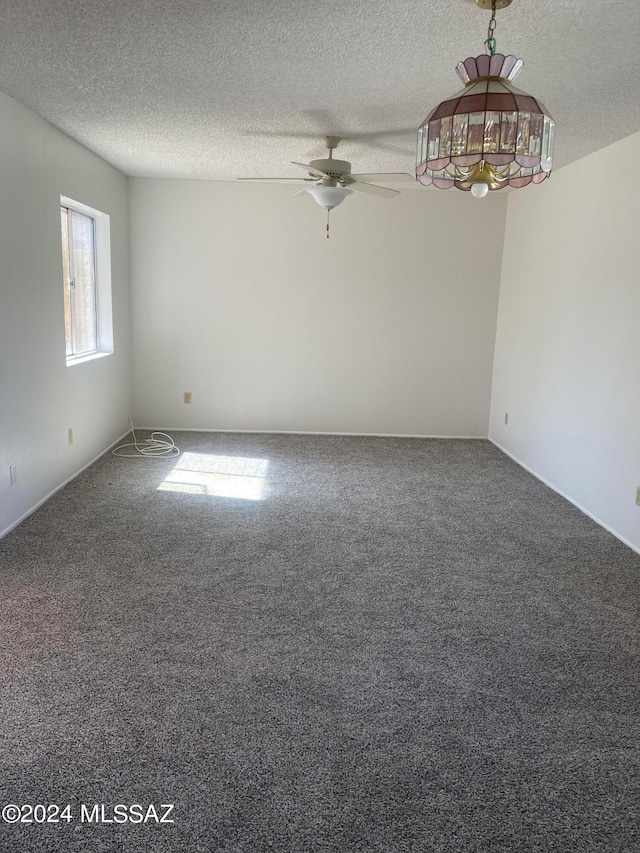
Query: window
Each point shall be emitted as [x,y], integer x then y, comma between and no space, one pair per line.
[86,277]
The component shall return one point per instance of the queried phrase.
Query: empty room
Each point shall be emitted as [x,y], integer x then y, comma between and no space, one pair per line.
[319,426]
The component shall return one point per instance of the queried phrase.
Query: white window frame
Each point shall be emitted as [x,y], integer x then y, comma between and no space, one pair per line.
[102,273]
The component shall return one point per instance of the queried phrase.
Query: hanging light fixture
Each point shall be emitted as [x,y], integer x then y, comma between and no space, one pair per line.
[489,135]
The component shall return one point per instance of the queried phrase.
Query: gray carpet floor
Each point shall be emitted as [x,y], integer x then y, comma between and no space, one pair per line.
[341,645]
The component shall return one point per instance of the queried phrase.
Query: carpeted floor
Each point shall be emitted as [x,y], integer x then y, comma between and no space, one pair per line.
[320,644]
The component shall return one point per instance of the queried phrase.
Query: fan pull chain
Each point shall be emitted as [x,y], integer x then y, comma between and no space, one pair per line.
[328,212]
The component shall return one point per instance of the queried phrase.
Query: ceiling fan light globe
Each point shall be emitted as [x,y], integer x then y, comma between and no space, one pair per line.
[329,197]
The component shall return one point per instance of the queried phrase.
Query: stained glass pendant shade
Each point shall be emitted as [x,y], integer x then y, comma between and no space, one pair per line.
[487,136]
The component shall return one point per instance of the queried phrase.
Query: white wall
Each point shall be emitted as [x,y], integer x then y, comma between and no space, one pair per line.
[387,327]
[567,359]
[40,397]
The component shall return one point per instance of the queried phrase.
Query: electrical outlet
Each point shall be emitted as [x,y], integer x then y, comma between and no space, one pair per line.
[187,396]
[638,495]
[70,435]
[506,418]
[13,473]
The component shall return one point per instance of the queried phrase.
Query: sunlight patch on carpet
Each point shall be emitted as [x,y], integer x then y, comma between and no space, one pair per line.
[218,476]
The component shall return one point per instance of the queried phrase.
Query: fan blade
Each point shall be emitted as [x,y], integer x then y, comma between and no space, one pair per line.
[391,177]
[383,192]
[311,169]
[281,180]
[300,192]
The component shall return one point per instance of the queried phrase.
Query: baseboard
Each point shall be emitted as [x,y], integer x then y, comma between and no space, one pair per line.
[566,497]
[310,432]
[61,486]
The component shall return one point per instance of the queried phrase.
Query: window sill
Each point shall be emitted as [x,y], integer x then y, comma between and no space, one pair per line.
[89,357]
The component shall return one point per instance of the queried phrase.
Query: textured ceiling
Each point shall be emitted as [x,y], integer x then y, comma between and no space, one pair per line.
[220,89]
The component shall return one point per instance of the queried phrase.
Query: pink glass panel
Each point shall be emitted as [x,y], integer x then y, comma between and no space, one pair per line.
[495,66]
[540,177]
[433,144]
[462,72]
[526,104]
[459,135]
[527,162]
[472,104]
[491,132]
[517,68]
[446,108]
[476,133]
[467,160]
[437,165]
[522,136]
[498,159]
[425,179]
[472,68]
[519,182]
[509,62]
[421,169]
[442,183]
[445,137]
[460,187]
[483,65]
[438,112]
[503,102]
[508,126]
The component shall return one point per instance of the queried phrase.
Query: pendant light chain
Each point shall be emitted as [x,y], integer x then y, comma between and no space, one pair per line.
[491,32]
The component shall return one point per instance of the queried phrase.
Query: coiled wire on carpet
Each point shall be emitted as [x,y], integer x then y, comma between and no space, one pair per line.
[153,447]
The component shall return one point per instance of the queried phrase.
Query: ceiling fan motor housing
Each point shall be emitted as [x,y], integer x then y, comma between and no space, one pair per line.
[335,168]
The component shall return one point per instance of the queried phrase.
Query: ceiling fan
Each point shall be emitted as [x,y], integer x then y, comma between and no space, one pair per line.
[332,180]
